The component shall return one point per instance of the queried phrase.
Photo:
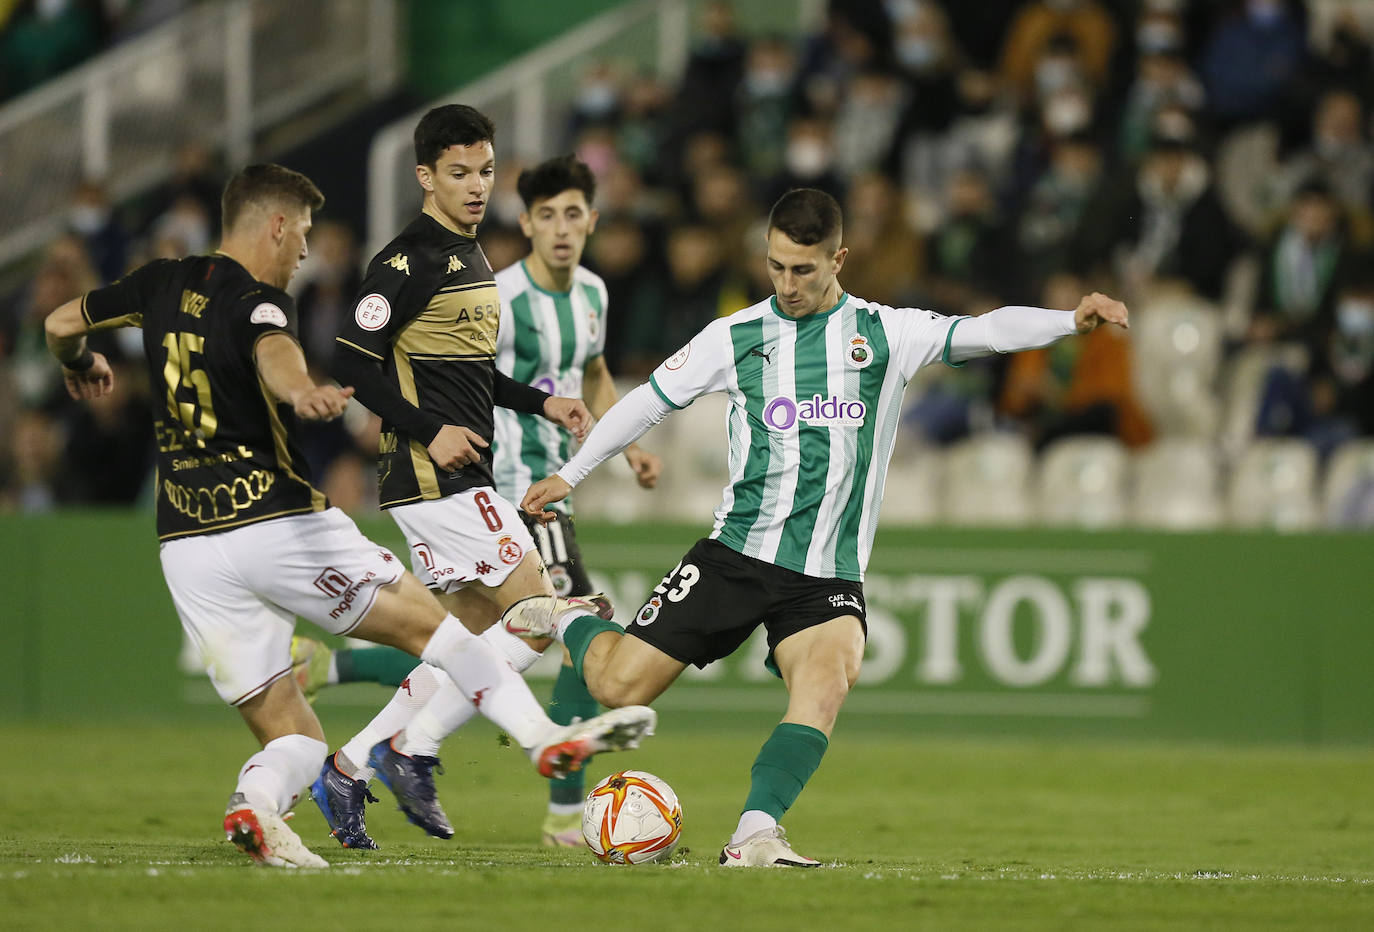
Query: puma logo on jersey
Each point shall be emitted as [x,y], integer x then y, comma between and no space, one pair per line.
[400,262]
[766,357]
[455,265]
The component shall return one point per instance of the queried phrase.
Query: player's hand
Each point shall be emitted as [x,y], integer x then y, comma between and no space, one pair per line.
[1097,308]
[571,413]
[545,492]
[647,467]
[321,403]
[91,383]
[455,447]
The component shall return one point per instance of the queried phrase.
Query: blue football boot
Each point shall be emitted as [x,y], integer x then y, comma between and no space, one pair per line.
[342,800]
[411,779]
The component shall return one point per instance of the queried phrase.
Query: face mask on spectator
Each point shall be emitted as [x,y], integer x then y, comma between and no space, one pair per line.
[1157,37]
[1355,318]
[1054,74]
[1264,12]
[807,158]
[87,219]
[596,99]
[918,52]
[766,82]
[1066,113]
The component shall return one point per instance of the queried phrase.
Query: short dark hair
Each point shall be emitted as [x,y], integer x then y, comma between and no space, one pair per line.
[553,177]
[450,125]
[265,185]
[807,215]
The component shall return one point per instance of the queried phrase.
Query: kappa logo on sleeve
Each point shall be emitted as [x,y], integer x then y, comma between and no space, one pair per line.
[268,313]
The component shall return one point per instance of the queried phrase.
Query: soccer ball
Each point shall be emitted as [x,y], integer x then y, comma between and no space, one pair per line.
[631,817]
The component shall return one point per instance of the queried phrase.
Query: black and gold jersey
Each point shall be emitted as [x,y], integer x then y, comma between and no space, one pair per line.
[428,314]
[227,451]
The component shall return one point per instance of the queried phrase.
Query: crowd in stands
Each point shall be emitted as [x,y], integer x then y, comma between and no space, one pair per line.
[1214,154]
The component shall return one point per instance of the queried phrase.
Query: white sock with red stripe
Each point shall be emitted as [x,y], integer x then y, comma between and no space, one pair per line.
[488,681]
[273,779]
[410,697]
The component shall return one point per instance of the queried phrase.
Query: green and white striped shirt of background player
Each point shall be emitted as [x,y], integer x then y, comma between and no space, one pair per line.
[546,339]
[813,409]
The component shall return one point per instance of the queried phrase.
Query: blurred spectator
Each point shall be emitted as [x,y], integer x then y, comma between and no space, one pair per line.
[195,177]
[184,230]
[502,246]
[1169,224]
[980,29]
[857,36]
[1254,50]
[1334,400]
[328,282]
[1049,227]
[866,122]
[43,38]
[619,253]
[690,298]
[1339,155]
[929,63]
[983,132]
[808,161]
[1082,386]
[721,199]
[108,458]
[765,102]
[1302,269]
[714,68]
[966,257]
[642,133]
[64,273]
[1050,40]
[1162,79]
[886,257]
[35,451]
[94,220]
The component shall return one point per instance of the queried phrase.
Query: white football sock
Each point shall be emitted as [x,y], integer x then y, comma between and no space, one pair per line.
[565,808]
[274,778]
[484,677]
[331,677]
[410,697]
[448,711]
[515,649]
[753,820]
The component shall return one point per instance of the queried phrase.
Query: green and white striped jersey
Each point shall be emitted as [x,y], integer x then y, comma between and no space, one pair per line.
[813,412]
[546,339]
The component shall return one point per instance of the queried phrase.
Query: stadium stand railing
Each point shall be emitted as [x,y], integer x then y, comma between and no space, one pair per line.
[218,74]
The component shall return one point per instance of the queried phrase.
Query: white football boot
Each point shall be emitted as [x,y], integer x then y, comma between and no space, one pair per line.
[266,838]
[536,616]
[568,746]
[768,848]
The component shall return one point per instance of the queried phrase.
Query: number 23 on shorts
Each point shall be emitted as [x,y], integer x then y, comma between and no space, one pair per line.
[686,575]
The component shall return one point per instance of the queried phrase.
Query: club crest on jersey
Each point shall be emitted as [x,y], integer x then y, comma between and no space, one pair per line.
[783,413]
[509,550]
[860,355]
[372,312]
[593,324]
[561,579]
[268,313]
[649,612]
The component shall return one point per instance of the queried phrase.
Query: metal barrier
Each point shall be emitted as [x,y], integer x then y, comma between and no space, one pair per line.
[216,74]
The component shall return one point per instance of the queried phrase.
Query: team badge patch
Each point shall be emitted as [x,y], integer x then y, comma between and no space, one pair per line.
[649,612]
[372,312]
[510,551]
[860,355]
[678,359]
[593,324]
[267,313]
[562,581]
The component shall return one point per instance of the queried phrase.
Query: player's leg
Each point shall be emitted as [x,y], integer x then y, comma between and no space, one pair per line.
[819,664]
[316,665]
[244,643]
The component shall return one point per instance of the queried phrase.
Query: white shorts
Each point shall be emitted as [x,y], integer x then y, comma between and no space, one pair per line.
[470,536]
[238,592]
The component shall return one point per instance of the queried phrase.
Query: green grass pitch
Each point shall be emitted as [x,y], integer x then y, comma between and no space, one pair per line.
[116,826]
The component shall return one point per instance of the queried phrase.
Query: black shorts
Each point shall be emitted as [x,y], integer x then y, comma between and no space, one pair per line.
[714,599]
[557,544]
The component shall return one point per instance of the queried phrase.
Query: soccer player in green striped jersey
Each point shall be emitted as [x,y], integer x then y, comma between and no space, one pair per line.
[815,378]
[553,336]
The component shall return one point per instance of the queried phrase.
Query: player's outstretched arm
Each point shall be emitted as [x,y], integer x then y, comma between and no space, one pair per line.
[598,391]
[1097,308]
[545,492]
[87,374]
[281,364]
[1014,328]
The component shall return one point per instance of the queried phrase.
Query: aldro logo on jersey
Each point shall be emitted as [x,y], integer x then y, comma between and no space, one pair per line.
[783,413]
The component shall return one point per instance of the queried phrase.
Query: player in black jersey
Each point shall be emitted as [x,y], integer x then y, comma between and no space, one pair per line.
[420,348]
[247,542]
